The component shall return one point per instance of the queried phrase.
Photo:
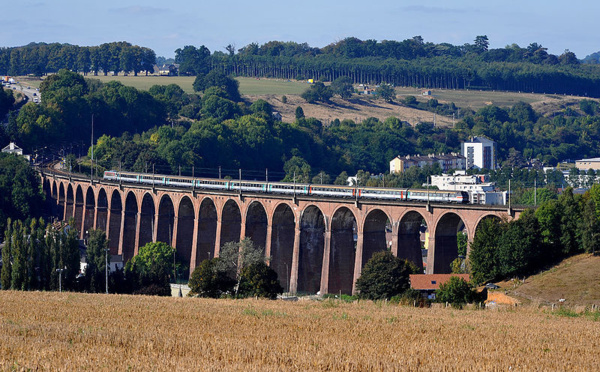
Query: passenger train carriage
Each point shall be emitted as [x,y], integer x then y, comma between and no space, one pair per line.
[292,188]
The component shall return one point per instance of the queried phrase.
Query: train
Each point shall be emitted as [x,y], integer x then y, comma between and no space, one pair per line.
[306,189]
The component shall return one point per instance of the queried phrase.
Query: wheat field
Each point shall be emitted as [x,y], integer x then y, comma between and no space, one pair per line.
[68,331]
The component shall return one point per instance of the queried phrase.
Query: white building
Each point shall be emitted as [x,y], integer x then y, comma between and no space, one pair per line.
[480,153]
[460,181]
[12,148]
[480,190]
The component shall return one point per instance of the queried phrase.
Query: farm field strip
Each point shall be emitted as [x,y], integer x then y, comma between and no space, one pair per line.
[69,331]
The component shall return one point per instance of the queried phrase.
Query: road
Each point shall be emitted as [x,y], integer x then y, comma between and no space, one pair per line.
[30,92]
[32,95]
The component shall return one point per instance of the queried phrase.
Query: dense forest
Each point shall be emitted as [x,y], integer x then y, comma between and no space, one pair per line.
[41,59]
[412,62]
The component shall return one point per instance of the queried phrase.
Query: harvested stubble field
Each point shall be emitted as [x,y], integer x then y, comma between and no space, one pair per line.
[67,331]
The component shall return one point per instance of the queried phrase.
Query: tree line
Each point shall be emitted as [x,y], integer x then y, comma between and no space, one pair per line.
[42,58]
[560,227]
[411,62]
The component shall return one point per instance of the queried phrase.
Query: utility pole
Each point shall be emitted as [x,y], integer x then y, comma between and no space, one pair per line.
[60,278]
[92,158]
[106,250]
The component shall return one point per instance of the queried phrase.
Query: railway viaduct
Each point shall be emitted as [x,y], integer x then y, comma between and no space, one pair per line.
[314,243]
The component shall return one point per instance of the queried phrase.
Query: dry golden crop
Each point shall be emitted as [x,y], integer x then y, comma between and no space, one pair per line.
[68,331]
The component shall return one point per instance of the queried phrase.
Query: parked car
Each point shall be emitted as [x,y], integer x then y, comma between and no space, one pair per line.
[491,286]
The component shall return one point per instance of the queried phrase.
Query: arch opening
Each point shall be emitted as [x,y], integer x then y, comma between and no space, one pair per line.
[207,230]
[166,221]
[102,210]
[130,227]
[147,215]
[445,244]
[89,211]
[185,235]
[312,244]
[231,223]
[256,225]
[69,201]
[342,252]
[114,223]
[282,243]
[377,234]
[61,202]
[413,238]
[79,206]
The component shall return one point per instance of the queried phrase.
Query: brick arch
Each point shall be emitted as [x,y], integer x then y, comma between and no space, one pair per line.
[342,252]
[374,232]
[148,213]
[115,219]
[102,210]
[69,202]
[165,219]
[130,226]
[283,232]
[53,189]
[185,233]
[207,216]
[89,210]
[312,245]
[445,248]
[256,220]
[78,208]
[408,232]
[231,222]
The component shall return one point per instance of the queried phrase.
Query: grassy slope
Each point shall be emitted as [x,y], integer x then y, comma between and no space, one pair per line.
[359,108]
[576,279]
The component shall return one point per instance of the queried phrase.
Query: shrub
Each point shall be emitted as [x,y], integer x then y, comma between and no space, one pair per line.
[385,276]
[259,280]
[456,291]
[208,281]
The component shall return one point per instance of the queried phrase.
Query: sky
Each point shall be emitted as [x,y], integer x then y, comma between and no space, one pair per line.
[167,25]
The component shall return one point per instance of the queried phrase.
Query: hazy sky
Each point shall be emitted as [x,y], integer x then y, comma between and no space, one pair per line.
[170,24]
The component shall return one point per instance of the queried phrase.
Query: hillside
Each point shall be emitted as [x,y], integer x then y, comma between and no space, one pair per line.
[576,279]
[359,107]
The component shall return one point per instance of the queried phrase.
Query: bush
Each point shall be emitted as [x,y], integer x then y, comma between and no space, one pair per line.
[457,291]
[208,281]
[259,280]
[385,276]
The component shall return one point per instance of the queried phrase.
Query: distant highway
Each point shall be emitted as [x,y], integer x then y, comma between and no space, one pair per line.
[32,94]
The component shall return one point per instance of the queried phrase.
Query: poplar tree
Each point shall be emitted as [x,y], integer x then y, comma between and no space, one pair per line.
[5,276]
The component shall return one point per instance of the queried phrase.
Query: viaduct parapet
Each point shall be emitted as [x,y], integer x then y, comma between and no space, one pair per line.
[314,243]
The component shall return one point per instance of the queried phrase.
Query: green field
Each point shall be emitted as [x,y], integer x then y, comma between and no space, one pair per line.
[248,86]
[474,99]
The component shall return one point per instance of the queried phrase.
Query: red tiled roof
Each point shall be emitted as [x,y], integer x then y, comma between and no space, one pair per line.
[432,281]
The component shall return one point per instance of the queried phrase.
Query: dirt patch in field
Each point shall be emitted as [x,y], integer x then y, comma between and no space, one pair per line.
[361,108]
[356,109]
[501,298]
